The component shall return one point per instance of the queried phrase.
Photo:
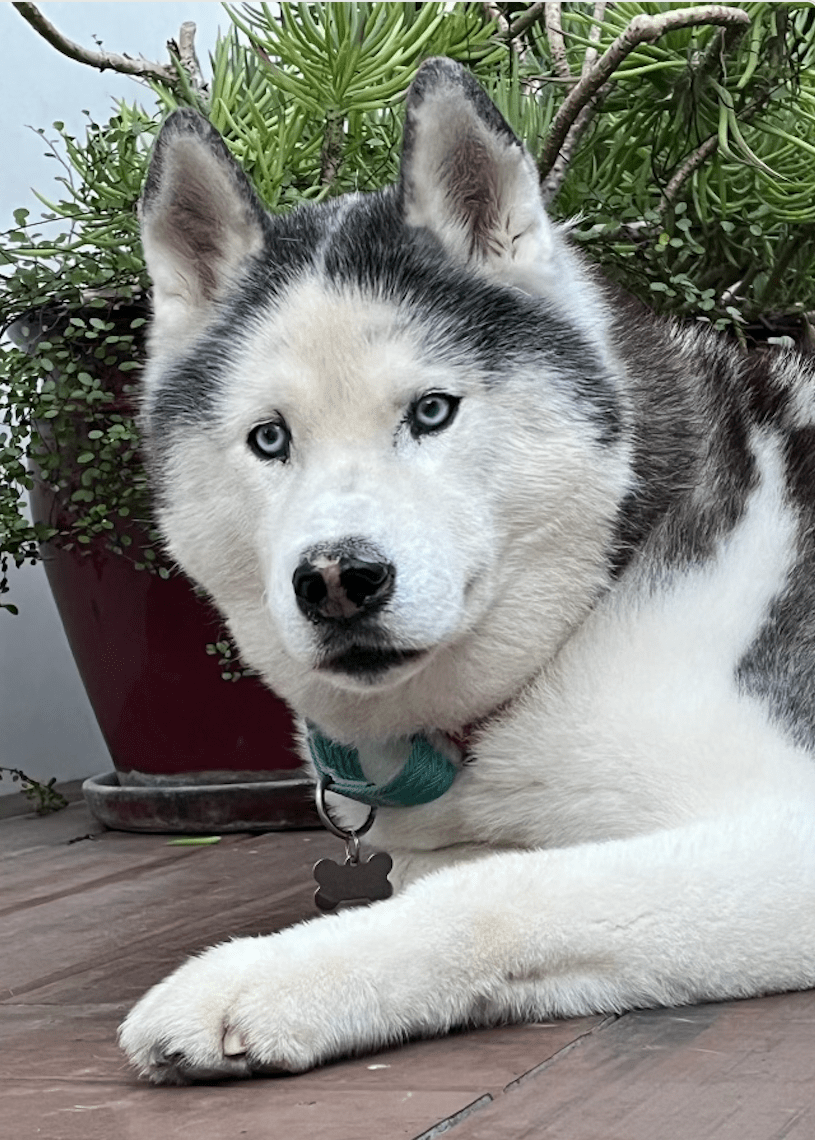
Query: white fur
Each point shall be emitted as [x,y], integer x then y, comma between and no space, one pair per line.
[634,830]
[493,557]
[657,831]
[670,917]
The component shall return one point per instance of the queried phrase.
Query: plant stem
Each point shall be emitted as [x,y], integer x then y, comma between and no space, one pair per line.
[331,153]
[594,35]
[641,29]
[526,19]
[493,12]
[557,44]
[691,163]
[188,57]
[44,796]
[103,60]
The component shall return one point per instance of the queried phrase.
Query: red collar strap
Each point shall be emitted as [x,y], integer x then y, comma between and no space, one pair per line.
[463,737]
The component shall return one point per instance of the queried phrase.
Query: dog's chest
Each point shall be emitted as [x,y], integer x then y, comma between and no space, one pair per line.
[640,723]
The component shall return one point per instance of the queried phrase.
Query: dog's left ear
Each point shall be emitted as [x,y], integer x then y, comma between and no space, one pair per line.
[466,177]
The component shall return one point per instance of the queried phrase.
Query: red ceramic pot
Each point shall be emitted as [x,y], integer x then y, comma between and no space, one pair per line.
[177,732]
[192,752]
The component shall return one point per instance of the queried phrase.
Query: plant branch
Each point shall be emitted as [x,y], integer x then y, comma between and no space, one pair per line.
[525,20]
[691,163]
[494,13]
[557,174]
[594,36]
[712,56]
[103,60]
[332,148]
[187,55]
[44,797]
[642,29]
[557,44]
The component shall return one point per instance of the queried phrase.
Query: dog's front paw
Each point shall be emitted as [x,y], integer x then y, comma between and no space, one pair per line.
[231,1012]
[334,986]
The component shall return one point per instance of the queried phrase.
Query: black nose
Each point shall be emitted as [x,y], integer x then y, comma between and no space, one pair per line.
[342,588]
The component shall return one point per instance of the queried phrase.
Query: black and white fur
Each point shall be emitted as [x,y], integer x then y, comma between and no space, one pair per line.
[598,544]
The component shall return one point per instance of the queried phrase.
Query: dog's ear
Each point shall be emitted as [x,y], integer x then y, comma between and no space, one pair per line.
[200,221]
[466,176]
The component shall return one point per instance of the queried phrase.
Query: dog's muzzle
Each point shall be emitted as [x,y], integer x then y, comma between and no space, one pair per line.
[341,593]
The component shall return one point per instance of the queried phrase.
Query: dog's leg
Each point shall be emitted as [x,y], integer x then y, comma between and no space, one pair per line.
[721,908]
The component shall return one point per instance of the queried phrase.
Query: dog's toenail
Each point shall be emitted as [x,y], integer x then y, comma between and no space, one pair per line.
[234,1043]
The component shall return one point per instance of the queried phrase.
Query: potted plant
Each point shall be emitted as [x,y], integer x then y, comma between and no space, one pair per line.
[682,137]
[191,752]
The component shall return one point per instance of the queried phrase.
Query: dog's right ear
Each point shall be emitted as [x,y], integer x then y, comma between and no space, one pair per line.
[200,222]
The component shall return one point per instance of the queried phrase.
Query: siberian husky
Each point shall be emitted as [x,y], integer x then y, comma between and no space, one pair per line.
[450,496]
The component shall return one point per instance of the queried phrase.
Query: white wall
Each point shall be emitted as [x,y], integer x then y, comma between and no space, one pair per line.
[47,727]
[46,724]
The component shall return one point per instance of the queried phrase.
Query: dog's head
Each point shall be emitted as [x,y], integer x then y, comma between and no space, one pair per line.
[386,432]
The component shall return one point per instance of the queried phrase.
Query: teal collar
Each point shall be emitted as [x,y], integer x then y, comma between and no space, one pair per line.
[425,775]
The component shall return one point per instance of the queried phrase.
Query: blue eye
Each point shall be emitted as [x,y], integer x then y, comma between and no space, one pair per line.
[270,440]
[432,412]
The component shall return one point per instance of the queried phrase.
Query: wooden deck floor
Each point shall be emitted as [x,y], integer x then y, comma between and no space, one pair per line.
[89,919]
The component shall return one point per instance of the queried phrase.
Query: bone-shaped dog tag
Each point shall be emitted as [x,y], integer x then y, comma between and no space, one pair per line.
[354,881]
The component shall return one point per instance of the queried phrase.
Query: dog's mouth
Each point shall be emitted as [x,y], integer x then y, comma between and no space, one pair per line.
[368,663]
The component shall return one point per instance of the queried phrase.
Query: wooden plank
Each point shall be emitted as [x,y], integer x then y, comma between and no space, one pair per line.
[136,902]
[87,926]
[63,1078]
[85,936]
[70,851]
[731,1071]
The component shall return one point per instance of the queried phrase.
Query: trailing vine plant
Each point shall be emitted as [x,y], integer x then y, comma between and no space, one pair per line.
[44,798]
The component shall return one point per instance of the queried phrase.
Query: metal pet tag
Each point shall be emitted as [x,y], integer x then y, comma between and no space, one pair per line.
[356,880]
